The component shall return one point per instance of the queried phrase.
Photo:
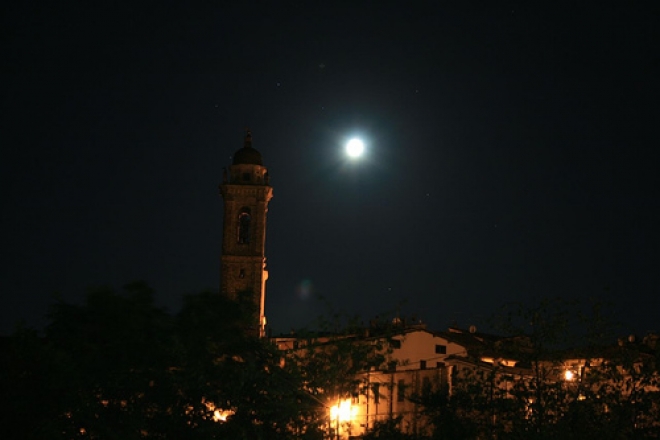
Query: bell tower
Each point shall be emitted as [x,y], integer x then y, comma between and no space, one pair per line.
[246,192]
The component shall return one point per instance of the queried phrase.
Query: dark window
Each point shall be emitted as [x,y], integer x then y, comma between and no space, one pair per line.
[247,177]
[376,388]
[396,343]
[401,391]
[422,365]
[441,349]
[244,220]
[426,385]
[241,273]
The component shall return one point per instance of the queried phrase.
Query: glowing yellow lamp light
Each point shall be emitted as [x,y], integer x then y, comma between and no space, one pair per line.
[569,375]
[343,411]
[221,415]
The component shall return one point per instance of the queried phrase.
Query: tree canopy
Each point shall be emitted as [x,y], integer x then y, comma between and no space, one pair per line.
[117,366]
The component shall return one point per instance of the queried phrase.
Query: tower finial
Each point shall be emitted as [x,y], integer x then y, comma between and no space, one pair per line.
[248,139]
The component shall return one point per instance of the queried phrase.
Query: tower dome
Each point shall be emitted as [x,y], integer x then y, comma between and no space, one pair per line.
[247,155]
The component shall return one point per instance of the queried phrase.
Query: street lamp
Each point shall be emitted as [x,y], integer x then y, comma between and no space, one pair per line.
[342,412]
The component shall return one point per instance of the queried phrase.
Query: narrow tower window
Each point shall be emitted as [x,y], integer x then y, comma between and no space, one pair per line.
[244,220]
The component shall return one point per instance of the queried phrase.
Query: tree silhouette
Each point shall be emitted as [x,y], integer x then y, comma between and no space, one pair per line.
[119,367]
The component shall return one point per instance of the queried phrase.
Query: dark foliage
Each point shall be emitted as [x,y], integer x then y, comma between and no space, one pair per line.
[118,367]
[387,430]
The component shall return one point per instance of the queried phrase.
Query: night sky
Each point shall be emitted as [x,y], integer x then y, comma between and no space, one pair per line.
[512,153]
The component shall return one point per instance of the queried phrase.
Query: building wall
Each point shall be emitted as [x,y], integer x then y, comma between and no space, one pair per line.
[421,346]
[386,393]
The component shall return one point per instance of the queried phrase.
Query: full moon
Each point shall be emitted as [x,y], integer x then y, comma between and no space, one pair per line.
[355,148]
